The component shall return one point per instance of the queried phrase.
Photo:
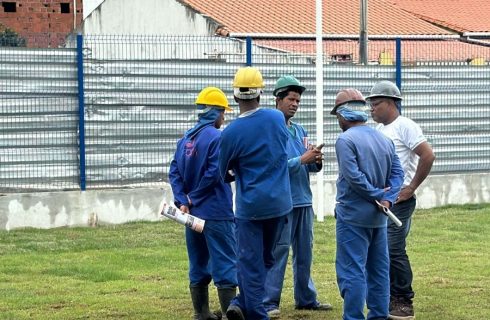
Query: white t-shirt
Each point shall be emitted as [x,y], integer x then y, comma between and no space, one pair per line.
[406,135]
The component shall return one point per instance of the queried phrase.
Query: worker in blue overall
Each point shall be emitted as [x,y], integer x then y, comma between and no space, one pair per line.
[198,189]
[254,150]
[303,158]
[369,171]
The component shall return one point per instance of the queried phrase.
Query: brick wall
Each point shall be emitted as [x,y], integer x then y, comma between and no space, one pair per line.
[41,22]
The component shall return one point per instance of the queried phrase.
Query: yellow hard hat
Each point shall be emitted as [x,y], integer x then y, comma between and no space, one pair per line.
[248,77]
[213,97]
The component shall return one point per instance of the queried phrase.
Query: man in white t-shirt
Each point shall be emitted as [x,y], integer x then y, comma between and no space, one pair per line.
[416,157]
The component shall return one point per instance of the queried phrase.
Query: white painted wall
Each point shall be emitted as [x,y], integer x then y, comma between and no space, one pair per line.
[89,6]
[59,209]
[146,17]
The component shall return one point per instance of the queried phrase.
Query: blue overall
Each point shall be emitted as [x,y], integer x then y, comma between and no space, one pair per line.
[254,148]
[298,231]
[194,175]
[368,165]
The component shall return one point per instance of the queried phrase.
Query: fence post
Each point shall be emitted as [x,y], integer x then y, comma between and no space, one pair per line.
[81,112]
[249,51]
[399,69]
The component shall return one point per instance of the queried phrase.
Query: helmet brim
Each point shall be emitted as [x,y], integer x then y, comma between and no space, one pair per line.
[301,89]
[383,96]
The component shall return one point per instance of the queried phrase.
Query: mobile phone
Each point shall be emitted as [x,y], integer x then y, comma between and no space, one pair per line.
[320,146]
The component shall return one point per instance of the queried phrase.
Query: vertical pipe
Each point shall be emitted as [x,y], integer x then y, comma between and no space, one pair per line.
[81,112]
[363,33]
[320,196]
[249,51]
[74,15]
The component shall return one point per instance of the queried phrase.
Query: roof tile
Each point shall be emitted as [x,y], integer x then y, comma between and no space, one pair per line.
[298,17]
[458,15]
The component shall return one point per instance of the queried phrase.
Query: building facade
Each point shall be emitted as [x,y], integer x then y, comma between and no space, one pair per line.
[42,23]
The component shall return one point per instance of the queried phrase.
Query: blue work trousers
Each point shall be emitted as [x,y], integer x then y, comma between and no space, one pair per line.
[256,240]
[400,270]
[297,233]
[212,254]
[362,266]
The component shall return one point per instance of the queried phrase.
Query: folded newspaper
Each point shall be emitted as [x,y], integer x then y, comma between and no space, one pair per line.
[390,214]
[186,219]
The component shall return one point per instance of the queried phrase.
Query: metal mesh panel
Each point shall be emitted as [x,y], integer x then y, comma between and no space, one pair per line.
[444,83]
[139,99]
[139,94]
[38,119]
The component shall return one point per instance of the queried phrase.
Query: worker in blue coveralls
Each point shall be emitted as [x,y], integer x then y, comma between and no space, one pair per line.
[253,148]
[369,170]
[303,158]
[199,189]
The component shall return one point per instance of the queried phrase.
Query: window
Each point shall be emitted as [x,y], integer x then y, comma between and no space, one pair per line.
[9,7]
[65,7]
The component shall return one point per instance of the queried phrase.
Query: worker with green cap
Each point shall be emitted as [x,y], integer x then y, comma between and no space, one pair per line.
[303,158]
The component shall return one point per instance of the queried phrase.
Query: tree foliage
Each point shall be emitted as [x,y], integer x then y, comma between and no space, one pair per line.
[10,38]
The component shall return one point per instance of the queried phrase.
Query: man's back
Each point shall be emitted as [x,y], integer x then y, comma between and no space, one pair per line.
[194,173]
[254,147]
[366,159]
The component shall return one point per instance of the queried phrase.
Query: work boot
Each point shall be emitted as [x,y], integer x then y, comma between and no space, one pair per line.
[225,295]
[234,313]
[200,301]
[401,309]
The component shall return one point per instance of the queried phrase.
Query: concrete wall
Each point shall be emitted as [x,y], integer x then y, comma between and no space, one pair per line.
[90,208]
[155,17]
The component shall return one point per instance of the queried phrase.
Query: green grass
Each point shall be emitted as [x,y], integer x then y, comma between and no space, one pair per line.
[139,270]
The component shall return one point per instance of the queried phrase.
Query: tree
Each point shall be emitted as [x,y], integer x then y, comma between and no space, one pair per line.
[10,38]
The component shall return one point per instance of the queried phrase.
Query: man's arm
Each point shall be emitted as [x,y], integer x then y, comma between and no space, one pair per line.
[225,159]
[395,181]
[426,159]
[349,167]
[177,184]
[309,158]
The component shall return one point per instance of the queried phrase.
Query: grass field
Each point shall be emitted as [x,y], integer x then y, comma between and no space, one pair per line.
[139,270]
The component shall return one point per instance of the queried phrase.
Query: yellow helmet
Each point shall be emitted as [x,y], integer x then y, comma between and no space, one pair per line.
[248,83]
[248,77]
[212,96]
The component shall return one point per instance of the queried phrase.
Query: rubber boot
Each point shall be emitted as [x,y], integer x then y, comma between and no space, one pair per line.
[225,296]
[200,301]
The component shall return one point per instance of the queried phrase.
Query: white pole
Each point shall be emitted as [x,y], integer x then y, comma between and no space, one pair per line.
[320,194]
[74,15]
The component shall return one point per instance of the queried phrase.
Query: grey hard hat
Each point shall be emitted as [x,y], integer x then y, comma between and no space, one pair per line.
[386,89]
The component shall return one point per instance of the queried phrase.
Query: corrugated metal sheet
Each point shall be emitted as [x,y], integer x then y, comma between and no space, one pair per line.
[38,119]
[136,109]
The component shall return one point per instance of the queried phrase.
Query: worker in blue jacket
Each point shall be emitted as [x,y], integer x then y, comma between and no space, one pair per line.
[199,189]
[303,158]
[253,148]
[369,171]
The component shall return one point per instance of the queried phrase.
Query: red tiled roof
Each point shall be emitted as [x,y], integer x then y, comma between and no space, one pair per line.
[412,51]
[298,17]
[458,15]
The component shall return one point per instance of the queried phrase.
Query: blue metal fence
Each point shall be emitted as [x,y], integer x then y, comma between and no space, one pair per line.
[108,112]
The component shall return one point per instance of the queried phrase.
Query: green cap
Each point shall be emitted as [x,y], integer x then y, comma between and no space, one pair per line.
[285,82]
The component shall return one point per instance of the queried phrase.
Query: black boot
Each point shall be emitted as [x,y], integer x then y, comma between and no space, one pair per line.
[200,301]
[225,295]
